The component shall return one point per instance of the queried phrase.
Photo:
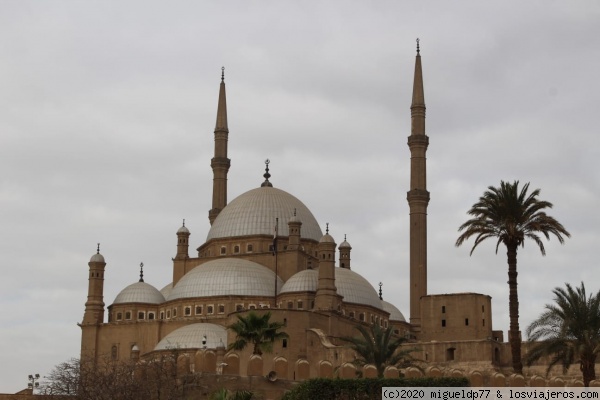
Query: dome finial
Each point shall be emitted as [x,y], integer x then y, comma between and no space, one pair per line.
[267,175]
[222,74]
[141,272]
[380,292]
[327,228]
[184,222]
[418,48]
[98,249]
[294,212]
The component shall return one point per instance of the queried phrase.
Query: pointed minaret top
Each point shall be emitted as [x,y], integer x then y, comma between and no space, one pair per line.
[267,175]
[141,272]
[418,92]
[221,125]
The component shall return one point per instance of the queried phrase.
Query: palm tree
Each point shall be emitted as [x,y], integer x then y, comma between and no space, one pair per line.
[257,330]
[224,394]
[380,348]
[568,331]
[511,215]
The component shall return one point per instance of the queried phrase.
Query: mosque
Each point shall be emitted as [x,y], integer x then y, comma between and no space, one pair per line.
[266,251]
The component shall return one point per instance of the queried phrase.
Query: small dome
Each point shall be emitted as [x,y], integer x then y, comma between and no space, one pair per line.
[166,291]
[97,258]
[192,337]
[135,348]
[254,213]
[395,314]
[349,284]
[139,292]
[327,238]
[295,219]
[344,245]
[226,277]
[183,229]
[303,281]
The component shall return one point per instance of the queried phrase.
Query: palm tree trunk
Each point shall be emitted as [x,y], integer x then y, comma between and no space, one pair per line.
[588,370]
[514,335]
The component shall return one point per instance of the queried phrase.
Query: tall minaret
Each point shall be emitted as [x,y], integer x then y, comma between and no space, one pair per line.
[220,163]
[418,196]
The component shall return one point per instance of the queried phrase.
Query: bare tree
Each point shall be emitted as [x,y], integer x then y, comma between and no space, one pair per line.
[105,379]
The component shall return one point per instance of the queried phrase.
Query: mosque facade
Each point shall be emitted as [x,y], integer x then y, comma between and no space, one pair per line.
[265,251]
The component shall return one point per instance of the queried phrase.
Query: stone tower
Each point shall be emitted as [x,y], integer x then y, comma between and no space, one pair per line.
[418,196]
[220,163]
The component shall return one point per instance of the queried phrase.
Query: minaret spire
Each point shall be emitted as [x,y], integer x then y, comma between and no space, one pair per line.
[418,196]
[220,163]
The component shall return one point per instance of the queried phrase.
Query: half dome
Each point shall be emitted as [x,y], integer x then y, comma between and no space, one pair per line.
[349,284]
[395,314]
[139,292]
[192,337]
[226,277]
[166,291]
[254,213]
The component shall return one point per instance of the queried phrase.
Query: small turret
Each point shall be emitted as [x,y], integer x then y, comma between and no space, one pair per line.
[94,306]
[345,249]
[326,297]
[183,238]
[294,227]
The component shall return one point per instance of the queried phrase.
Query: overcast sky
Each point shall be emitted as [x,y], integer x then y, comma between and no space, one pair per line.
[107,112]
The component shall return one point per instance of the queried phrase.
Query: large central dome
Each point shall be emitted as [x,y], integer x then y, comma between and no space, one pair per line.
[254,213]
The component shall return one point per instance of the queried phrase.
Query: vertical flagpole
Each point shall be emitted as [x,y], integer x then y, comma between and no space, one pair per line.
[275,254]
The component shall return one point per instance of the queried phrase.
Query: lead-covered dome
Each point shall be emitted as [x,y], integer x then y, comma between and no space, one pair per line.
[254,213]
[194,336]
[226,277]
[395,314]
[349,284]
[139,292]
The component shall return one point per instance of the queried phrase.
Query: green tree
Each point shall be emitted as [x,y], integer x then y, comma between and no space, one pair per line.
[510,216]
[378,347]
[568,331]
[257,330]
